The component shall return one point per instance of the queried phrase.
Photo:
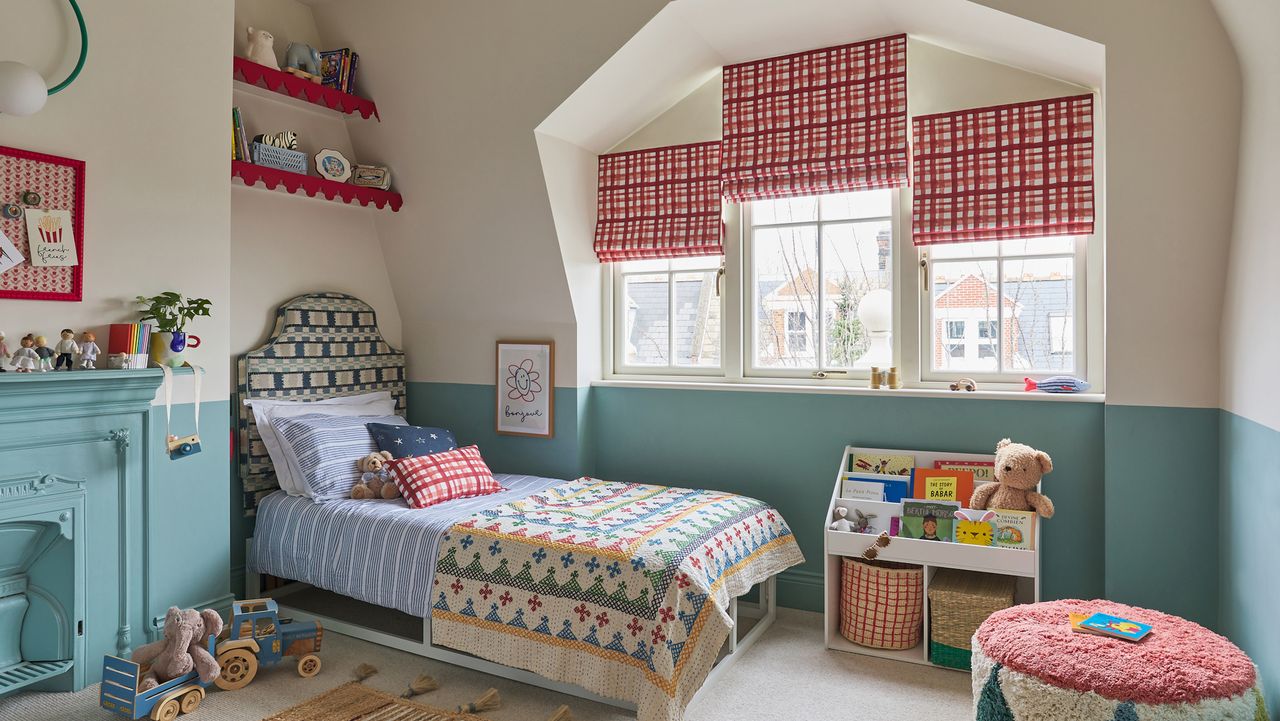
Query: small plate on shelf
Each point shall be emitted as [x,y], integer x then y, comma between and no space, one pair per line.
[333,165]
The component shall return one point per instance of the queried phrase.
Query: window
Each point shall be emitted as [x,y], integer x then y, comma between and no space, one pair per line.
[1018,295]
[809,264]
[667,315]
[811,293]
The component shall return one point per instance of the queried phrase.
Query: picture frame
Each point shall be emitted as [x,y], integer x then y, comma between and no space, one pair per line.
[524,388]
[54,183]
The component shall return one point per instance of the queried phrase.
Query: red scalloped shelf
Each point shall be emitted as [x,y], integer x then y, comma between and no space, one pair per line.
[278,81]
[272,178]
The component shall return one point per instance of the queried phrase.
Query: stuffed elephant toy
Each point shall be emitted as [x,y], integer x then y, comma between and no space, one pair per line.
[183,649]
[303,57]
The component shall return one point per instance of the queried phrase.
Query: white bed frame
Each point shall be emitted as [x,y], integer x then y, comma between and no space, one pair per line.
[764,611]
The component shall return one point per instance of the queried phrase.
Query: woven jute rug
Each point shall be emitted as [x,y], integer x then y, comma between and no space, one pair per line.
[355,701]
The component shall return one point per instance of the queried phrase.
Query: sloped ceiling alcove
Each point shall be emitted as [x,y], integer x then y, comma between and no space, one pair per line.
[688,42]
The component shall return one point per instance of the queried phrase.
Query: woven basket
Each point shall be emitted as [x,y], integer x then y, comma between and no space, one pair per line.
[881,603]
[959,601]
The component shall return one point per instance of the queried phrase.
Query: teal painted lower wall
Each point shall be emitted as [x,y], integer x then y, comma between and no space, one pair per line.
[1250,566]
[1161,508]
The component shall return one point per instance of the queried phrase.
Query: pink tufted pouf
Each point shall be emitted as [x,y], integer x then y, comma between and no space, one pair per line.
[1028,665]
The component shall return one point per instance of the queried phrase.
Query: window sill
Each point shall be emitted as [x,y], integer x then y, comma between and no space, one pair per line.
[847,390]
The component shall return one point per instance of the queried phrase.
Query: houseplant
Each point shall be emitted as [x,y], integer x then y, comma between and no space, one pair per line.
[171,312]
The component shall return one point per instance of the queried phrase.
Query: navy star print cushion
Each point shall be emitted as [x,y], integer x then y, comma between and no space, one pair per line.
[411,441]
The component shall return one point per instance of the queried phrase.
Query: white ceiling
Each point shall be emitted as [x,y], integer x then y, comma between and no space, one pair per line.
[689,40]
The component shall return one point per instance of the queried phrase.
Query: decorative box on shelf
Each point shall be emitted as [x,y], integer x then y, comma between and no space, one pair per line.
[280,158]
[1021,565]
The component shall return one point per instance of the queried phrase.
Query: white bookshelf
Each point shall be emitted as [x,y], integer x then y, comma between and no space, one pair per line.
[1024,565]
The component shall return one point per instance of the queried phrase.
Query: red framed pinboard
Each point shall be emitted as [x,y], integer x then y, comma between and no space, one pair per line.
[60,183]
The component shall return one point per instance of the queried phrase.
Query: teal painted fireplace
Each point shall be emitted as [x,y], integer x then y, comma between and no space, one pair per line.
[99,531]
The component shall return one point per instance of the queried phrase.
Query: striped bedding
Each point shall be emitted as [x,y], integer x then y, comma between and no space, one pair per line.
[382,552]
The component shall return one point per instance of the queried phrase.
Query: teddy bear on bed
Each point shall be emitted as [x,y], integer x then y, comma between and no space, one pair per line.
[375,482]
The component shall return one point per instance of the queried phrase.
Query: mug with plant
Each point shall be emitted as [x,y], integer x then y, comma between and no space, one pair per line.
[171,313]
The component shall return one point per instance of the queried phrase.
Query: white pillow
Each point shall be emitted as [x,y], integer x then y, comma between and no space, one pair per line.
[378,408]
[263,407]
[324,451]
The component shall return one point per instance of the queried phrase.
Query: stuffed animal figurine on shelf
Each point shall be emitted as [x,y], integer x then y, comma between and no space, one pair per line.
[261,48]
[1018,471]
[841,523]
[375,482]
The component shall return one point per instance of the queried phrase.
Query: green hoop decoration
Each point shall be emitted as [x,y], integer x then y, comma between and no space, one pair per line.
[84,50]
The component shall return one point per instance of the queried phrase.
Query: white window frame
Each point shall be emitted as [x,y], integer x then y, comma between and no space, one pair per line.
[747,281]
[616,338]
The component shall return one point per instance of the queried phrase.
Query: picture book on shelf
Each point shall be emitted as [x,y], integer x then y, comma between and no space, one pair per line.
[934,485]
[929,520]
[888,464]
[862,490]
[1103,624]
[976,528]
[983,471]
[1015,529]
[892,488]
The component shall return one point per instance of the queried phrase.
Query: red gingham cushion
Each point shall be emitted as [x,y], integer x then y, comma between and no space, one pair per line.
[660,203]
[428,480]
[822,121]
[1008,171]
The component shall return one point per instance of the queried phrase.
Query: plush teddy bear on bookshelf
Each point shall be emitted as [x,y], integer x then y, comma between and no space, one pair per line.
[1018,470]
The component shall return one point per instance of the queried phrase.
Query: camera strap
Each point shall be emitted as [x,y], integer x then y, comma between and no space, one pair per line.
[197,374]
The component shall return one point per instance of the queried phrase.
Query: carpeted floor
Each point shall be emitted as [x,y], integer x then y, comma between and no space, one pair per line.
[788,675]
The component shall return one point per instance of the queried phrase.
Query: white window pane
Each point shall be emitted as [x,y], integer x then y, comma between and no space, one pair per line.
[864,204]
[647,299]
[697,318]
[1042,330]
[964,297]
[785,279]
[944,251]
[786,210]
[856,260]
[1039,246]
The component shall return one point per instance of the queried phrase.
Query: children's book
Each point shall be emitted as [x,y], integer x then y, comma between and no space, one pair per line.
[976,528]
[351,76]
[888,464]
[893,488]
[331,68]
[935,485]
[862,490]
[1015,529]
[1114,626]
[983,471]
[929,520]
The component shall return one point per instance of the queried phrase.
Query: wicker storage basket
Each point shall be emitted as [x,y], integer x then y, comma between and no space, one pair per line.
[959,601]
[881,603]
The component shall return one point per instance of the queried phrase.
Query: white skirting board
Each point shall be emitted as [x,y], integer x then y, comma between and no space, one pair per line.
[764,612]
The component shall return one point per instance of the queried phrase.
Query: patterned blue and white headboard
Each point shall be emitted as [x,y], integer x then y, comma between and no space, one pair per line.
[324,345]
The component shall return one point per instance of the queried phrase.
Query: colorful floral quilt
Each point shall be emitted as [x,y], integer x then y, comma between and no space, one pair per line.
[620,588]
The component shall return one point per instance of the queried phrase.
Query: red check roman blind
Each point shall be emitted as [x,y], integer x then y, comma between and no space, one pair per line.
[660,203]
[822,121]
[1010,171]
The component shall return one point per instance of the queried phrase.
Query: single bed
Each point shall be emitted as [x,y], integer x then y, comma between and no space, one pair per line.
[618,592]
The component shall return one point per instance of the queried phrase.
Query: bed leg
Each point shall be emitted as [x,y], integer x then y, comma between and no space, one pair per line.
[733,631]
[252,580]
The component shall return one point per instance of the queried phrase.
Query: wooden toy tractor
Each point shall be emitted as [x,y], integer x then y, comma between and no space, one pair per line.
[257,636]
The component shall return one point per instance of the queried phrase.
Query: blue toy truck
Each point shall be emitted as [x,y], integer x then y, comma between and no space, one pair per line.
[120,695]
[257,636]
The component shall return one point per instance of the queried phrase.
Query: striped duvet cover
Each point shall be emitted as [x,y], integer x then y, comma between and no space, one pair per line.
[382,552]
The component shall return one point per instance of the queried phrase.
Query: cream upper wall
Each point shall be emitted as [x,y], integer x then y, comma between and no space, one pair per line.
[460,87]
[1250,345]
[148,116]
[1172,128]
[938,80]
[284,246]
